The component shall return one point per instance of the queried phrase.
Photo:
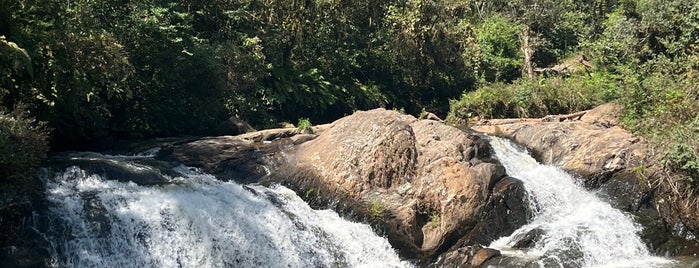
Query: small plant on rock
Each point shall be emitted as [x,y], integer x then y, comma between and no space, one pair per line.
[313,192]
[434,220]
[376,209]
[304,126]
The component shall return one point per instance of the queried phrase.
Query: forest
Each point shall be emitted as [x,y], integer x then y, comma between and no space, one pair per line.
[83,74]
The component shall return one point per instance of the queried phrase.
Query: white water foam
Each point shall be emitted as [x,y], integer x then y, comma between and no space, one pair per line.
[577,229]
[198,221]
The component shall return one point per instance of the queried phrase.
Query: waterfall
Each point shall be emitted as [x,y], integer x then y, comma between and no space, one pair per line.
[571,226]
[194,220]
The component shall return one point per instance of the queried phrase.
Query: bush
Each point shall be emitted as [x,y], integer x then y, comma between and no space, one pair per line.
[661,103]
[23,144]
[535,97]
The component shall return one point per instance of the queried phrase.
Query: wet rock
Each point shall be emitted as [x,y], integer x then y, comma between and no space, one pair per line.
[506,211]
[466,257]
[229,157]
[483,255]
[143,171]
[509,261]
[528,239]
[20,244]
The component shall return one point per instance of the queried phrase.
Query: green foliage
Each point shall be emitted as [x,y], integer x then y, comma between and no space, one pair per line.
[376,209]
[304,126]
[434,220]
[313,192]
[661,104]
[23,144]
[499,42]
[428,52]
[423,114]
[534,97]
[618,44]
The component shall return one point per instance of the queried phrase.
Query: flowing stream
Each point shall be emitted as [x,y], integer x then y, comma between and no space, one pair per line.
[571,226]
[150,214]
[194,220]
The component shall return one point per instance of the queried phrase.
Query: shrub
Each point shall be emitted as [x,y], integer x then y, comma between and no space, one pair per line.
[535,97]
[434,220]
[23,144]
[661,103]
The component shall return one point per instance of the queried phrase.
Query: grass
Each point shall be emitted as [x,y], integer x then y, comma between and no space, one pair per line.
[534,98]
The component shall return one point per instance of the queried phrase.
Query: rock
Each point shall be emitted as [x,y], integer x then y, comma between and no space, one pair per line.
[505,212]
[432,182]
[246,158]
[233,126]
[509,261]
[619,165]
[21,245]
[528,239]
[483,255]
[434,117]
[587,147]
[140,171]
[466,257]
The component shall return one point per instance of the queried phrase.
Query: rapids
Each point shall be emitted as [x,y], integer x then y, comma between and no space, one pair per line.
[194,220]
[571,227]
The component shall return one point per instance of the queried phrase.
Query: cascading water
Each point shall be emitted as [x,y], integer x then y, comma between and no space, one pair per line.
[194,220]
[571,226]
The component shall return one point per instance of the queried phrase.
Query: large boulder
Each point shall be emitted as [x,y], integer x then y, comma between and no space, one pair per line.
[620,166]
[425,184]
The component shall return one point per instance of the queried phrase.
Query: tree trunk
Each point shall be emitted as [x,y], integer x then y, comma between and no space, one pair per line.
[528,51]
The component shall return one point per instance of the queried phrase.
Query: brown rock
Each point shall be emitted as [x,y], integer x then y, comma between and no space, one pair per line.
[431,181]
[483,255]
[591,147]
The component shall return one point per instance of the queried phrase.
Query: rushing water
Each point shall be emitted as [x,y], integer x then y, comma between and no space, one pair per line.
[194,220]
[571,227]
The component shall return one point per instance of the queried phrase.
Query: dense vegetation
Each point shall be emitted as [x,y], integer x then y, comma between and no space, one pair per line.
[101,70]
[643,54]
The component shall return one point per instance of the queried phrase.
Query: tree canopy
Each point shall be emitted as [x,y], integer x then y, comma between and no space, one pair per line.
[102,70]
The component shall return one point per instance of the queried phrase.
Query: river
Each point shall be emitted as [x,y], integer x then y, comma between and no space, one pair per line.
[133,211]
